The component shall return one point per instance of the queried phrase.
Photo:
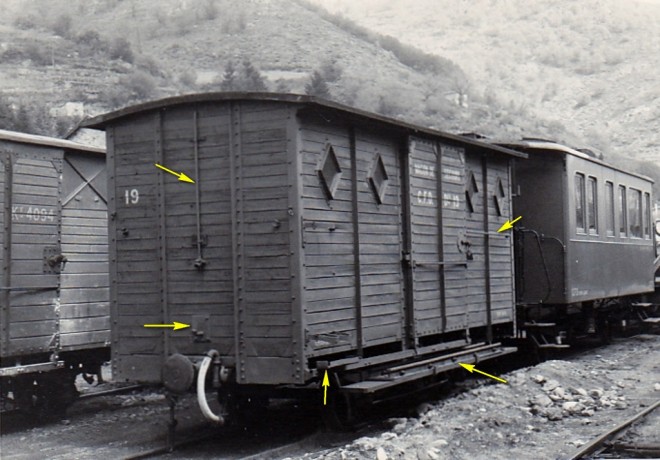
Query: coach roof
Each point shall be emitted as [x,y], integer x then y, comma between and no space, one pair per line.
[310,101]
[533,144]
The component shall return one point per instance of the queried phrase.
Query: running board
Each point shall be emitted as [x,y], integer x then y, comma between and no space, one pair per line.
[30,368]
[405,373]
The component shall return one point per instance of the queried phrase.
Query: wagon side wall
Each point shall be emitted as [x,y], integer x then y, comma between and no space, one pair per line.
[215,254]
[602,264]
[31,232]
[490,271]
[84,290]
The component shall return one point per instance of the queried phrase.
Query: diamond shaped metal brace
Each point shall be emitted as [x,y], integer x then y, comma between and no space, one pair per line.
[378,179]
[329,171]
[499,197]
[471,190]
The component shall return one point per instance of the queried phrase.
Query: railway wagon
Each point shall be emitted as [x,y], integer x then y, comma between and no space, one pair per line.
[54,298]
[586,242]
[315,238]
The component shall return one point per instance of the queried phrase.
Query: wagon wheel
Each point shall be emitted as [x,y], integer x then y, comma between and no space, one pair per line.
[8,403]
[604,330]
[54,392]
[340,412]
[242,409]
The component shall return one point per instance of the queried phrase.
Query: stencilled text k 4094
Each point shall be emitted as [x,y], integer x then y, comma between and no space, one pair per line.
[32,214]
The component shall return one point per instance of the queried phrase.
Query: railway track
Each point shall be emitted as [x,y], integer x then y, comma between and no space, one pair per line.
[15,420]
[612,443]
[112,391]
[135,426]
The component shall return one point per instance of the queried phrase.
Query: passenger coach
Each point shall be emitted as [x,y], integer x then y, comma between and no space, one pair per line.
[315,237]
[586,240]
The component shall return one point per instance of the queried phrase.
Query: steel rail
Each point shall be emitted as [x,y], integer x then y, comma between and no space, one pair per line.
[111,391]
[591,447]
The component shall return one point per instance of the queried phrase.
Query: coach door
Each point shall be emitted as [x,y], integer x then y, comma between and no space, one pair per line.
[437,225]
[84,285]
[32,257]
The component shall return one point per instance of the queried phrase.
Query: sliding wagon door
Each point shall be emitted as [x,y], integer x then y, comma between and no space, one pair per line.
[437,226]
[31,265]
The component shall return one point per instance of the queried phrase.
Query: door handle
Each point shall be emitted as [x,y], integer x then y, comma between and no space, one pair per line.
[58,259]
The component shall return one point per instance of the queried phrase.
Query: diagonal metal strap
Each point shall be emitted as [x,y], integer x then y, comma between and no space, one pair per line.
[85,183]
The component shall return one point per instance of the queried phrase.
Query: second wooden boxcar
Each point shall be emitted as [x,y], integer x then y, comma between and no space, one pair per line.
[54,268]
[315,237]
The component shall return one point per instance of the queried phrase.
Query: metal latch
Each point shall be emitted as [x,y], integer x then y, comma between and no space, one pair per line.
[54,260]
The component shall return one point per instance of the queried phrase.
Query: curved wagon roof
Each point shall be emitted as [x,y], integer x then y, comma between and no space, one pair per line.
[306,101]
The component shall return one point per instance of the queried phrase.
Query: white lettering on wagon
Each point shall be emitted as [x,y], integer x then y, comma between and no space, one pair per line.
[424,170]
[424,197]
[452,175]
[32,214]
[451,201]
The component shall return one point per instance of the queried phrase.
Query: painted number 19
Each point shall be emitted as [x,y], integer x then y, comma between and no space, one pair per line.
[132,196]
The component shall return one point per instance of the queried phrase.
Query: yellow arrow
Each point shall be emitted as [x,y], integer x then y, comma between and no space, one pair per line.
[507,225]
[182,177]
[325,384]
[470,367]
[175,326]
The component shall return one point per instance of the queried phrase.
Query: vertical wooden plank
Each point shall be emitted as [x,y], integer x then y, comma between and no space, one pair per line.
[236,181]
[356,242]
[112,245]
[297,266]
[410,339]
[486,226]
[198,218]
[162,234]
[510,194]
[6,252]
[441,251]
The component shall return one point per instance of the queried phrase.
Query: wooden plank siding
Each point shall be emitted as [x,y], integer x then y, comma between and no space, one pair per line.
[426,254]
[134,249]
[496,270]
[84,290]
[32,315]
[329,289]
[243,286]
[336,318]
[501,244]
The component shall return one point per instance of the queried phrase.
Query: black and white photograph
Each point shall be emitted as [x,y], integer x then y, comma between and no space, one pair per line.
[329,229]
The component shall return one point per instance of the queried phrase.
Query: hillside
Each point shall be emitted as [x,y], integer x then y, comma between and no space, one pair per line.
[99,55]
[592,65]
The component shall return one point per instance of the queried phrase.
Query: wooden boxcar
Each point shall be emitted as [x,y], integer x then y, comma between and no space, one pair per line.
[314,237]
[587,236]
[54,306]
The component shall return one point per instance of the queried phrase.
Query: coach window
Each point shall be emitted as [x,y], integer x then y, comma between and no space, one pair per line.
[647,215]
[592,206]
[609,208]
[622,211]
[635,213]
[579,203]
